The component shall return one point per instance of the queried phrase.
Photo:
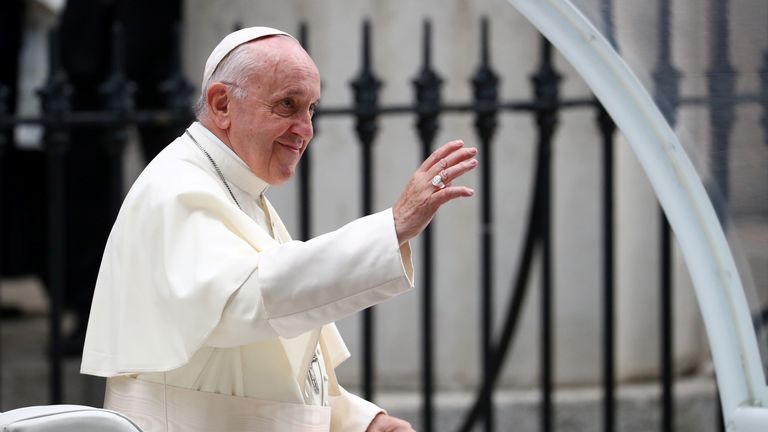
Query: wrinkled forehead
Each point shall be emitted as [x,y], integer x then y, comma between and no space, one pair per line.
[282,60]
[301,84]
[278,48]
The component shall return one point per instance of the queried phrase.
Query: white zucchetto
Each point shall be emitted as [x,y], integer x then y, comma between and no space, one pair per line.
[232,41]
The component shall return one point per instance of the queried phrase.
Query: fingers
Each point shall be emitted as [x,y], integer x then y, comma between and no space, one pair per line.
[442,196]
[440,153]
[457,170]
[450,162]
[454,158]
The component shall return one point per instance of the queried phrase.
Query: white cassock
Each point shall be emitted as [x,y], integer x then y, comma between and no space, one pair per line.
[208,317]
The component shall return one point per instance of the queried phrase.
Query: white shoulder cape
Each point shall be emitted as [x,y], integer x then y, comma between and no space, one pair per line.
[180,248]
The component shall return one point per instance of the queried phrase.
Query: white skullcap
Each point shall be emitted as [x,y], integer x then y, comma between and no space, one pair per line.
[232,41]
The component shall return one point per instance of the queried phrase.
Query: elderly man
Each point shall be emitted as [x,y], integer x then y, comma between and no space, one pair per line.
[206,315]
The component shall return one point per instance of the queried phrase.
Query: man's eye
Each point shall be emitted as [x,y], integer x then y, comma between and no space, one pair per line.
[286,103]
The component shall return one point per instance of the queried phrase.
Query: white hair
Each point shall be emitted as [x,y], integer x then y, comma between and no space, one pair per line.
[234,70]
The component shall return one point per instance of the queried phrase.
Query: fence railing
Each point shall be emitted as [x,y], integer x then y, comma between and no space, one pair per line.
[427,107]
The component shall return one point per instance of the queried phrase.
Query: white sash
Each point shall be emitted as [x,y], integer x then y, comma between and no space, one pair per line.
[160,408]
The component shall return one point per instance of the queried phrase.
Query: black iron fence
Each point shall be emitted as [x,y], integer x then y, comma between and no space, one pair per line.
[427,107]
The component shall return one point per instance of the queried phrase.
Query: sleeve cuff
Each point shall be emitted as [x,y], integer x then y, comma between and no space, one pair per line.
[351,413]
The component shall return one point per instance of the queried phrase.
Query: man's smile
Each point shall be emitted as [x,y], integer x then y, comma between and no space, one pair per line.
[294,147]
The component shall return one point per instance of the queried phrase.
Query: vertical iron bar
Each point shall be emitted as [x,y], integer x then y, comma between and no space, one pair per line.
[118,93]
[56,255]
[607,12]
[369,355]
[607,129]
[55,104]
[4,92]
[666,76]
[547,351]
[427,360]
[485,83]
[721,83]
[12,27]
[667,79]
[546,90]
[366,88]
[427,85]
[719,411]
[764,95]
[667,365]
[305,167]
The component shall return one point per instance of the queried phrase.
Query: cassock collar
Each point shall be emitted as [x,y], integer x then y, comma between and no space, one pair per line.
[232,167]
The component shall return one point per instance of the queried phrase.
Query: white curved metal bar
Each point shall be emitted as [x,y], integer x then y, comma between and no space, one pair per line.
[749,419]
[679,189]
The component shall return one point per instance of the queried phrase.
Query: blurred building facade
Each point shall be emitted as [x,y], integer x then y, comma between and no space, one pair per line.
[695,42]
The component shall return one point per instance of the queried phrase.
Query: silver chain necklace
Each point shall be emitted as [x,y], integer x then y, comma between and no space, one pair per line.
[215,167]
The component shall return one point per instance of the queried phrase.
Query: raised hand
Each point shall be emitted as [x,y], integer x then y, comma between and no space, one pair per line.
[431,186]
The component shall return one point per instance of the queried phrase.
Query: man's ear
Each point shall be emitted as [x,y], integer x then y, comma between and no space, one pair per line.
[218,105]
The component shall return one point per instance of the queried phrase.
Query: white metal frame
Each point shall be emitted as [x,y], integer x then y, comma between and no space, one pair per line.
[680,191]
[65,418]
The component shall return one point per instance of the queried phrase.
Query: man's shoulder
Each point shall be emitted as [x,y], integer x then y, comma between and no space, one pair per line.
[176,169]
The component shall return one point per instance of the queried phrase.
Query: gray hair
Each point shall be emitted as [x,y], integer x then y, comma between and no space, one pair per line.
[234,70]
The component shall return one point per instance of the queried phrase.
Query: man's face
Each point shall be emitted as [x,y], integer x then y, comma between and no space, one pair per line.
[271,127]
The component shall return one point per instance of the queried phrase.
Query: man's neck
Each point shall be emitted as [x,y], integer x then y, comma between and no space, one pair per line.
[220,133]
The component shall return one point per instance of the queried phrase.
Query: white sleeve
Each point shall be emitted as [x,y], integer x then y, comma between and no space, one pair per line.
[351,413]
[300,286]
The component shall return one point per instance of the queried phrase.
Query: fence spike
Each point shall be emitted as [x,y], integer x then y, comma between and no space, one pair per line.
[484,43]
[485,83]
[666,76]
[428,101]
[117,90]
[427,44]
[366,88]
[722,115]
[56,93]
[607,8]
[176,89]
[546,81]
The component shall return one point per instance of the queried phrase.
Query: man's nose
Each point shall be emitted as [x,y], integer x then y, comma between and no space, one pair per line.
[303,127]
